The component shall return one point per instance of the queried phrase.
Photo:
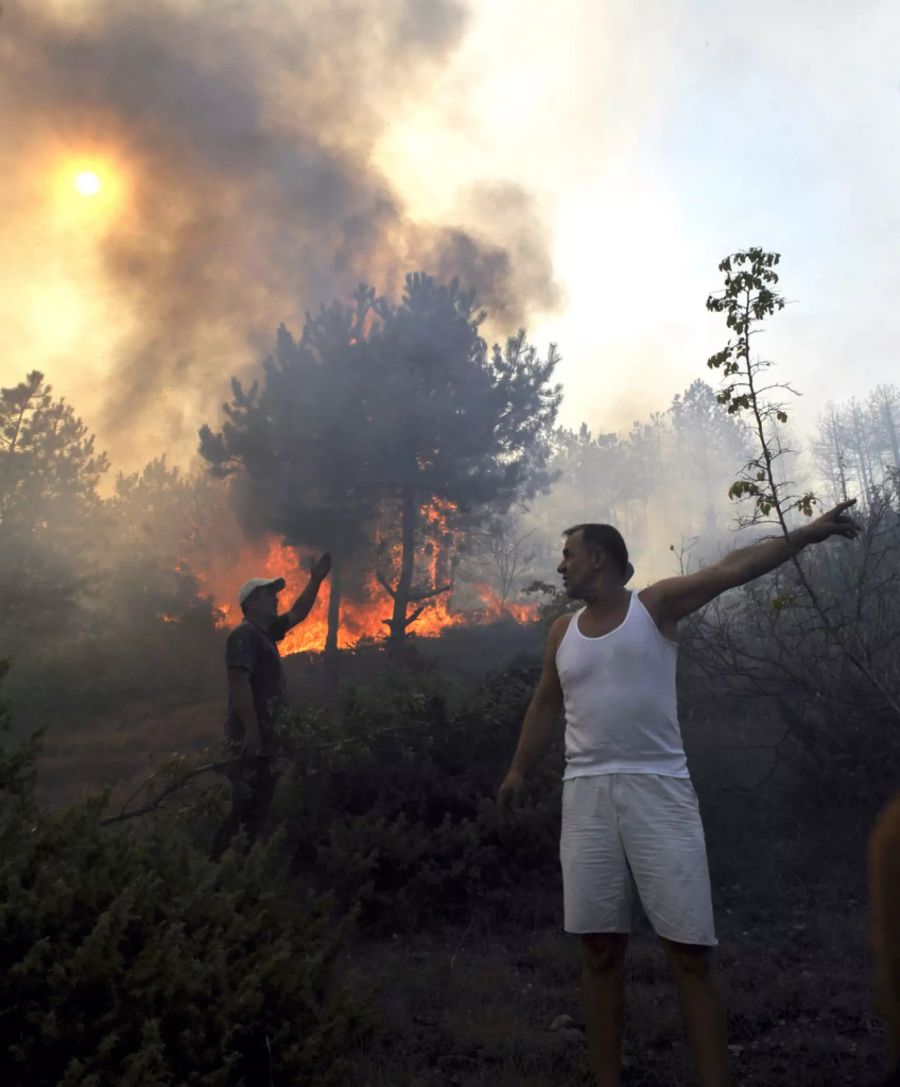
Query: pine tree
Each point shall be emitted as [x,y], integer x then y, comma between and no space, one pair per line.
[455,422]
[50,510]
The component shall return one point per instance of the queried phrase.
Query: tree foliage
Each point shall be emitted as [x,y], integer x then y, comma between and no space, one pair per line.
[665,477]
[856,447]
[380,411]
[157,537]
[747,299]
[49,506]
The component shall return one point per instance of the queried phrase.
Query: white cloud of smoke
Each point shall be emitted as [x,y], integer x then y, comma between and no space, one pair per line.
[242,134]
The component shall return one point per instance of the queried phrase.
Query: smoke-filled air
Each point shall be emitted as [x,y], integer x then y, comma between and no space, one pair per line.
[449,525]
[209,169]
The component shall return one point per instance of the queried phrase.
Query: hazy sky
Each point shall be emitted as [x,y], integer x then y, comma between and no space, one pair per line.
[586,164]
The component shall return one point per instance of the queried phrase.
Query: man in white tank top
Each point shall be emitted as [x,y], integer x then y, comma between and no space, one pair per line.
[631,825]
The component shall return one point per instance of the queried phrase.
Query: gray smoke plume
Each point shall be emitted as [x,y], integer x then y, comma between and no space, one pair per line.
[246,131]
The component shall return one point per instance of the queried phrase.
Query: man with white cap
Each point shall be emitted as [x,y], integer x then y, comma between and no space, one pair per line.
[256,688]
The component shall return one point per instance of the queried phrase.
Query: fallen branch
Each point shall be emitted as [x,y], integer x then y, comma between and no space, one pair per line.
[157,802]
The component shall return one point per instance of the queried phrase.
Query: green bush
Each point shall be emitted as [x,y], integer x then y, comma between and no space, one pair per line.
[130,958]
[389,802]
[64,685]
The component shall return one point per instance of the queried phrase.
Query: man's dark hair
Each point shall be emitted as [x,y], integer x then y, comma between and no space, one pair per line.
[607,539]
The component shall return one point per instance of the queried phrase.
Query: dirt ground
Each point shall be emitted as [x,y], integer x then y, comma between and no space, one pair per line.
[486,1005]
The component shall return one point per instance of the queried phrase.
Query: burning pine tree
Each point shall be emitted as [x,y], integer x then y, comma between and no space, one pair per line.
[382,422]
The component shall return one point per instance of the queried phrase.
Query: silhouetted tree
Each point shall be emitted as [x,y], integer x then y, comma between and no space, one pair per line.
[304,439]
[505,546]
[49,506]
[749,297]
[709,445]
[856,450]
[151,553]
[382,410]
[829,449]
[884,407]
[859,438]
[454,422]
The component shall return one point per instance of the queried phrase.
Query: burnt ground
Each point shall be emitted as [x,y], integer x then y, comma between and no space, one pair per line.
[482,1004]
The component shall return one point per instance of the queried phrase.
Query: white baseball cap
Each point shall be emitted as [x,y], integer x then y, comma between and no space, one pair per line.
[259,583]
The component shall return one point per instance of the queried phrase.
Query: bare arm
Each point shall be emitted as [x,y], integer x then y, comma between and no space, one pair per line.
[541,718]
[884,915]
[242,700]
[676,597]
[302,606]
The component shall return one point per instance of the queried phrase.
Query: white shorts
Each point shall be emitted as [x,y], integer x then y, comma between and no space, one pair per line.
[627,833]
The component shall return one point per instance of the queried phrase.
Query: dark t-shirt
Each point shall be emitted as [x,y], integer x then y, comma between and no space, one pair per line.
[256,651]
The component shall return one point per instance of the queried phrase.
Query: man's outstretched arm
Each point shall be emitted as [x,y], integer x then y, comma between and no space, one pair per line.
[676,597]
[302,606]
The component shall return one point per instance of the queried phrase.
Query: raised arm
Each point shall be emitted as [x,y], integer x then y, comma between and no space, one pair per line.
[676,597]
[541,719]
[302,606]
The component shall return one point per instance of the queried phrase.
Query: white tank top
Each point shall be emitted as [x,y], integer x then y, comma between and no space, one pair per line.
[619,694]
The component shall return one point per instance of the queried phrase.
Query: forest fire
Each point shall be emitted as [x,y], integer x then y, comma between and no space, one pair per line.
[365,610]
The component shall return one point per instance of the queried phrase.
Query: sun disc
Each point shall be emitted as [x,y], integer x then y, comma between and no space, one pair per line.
[87,183]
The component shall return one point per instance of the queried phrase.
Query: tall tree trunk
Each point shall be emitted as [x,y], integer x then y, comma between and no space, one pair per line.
[842,475]
[892,432]
[838,457]
[407,560]
[862,453]
[335,586]
[709,511]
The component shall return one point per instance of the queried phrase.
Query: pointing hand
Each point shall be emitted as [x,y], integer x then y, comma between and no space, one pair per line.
[836,522]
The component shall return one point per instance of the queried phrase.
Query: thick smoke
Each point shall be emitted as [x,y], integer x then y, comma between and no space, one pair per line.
[244,133]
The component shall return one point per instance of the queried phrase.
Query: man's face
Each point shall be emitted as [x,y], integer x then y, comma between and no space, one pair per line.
[577,567]
[264,603]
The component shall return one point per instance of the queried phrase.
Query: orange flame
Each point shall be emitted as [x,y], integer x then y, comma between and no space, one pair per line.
[363,616]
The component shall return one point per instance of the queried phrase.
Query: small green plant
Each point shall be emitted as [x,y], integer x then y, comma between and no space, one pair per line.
[749,297]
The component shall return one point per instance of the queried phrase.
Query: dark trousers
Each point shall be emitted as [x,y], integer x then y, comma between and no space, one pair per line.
[252,789]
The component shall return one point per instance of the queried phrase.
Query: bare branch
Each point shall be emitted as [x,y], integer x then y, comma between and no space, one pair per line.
[159,800]
[426,594]
[414,615]
[385,584]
